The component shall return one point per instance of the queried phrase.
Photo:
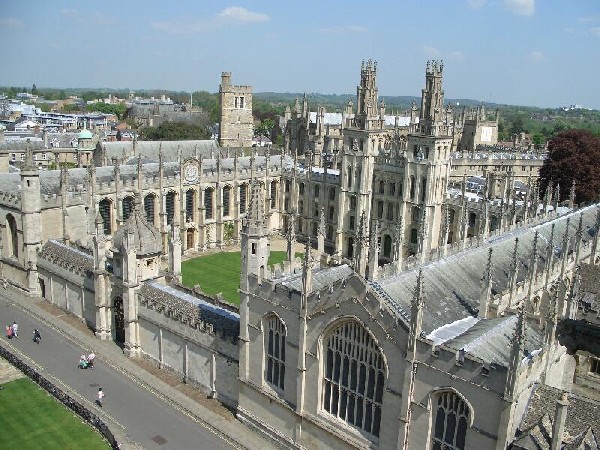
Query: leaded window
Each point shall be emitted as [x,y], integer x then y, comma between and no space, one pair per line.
[451,418]
[354,377]
[127,207]
[170,207]
[243,191]
[189,205]
[226,200]
[275,369]
[208,203]
[149,207]
[273,194]
[105,208]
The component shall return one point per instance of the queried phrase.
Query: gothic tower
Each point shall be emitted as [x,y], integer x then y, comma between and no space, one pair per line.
[427,167]
[364,137]
[236,126]
[255,256]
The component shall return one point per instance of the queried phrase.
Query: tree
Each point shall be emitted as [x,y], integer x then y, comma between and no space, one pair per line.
[573,155]
[34,89]
[174,131]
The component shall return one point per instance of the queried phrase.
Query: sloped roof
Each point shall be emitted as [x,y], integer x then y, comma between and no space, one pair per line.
[582,426]
[170,149]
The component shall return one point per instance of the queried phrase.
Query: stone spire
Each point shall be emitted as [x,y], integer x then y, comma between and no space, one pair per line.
[29,163]
[572,195]
[321,232]
[397,248]
[556,200]
[565,249]
[307,263]
[533,266]
[255,218]
[374,252]
[486,291]
[360,256]
[549,257]
[527,200]
[290,237]
[514,272]
[517,352]
[416,313]
[578,239]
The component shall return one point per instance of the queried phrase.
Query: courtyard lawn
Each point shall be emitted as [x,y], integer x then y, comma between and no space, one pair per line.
[32,419]
[219,272]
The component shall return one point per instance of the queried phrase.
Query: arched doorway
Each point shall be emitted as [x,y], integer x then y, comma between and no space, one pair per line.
[119,317]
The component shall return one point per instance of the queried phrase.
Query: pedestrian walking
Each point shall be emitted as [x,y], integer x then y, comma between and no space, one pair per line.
[90,359]
[15,329]
[8,331]
[99,398]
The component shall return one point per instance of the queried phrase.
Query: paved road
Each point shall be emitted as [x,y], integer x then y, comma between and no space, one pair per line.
[146,419]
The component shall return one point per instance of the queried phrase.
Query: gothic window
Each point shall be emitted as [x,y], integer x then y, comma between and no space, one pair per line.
[301,189]
[331,193]
[273,194]
[189,205]
[450,421]
[423,188]
[387,246]
[105,209]
[392,188]
[352,220]
[390,211]
[400,188]
[493,223]
[226,200]
[472,217]
[350,252]
[301,206]
[380,209]
[127,207]
[382,187]
[331,212]
[354,377]
[317,190]
[149,207]
[349,180]
[415,214]
[352,203]
[11,234]
[413,236]
[170,206]
[243,192]
[208,203]
[275,364]
[412,187]
[300,221]
[329,232]
[286,204]
[287,185]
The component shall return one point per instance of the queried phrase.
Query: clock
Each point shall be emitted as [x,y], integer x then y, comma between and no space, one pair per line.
[190,173]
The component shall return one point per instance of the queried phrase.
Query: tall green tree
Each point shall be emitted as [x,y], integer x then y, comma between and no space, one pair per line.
[573,155]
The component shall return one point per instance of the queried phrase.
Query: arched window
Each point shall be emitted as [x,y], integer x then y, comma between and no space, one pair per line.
[208,203]
[387,246]
[423,189]
[190,200]
[412,187]
[149,207]
[450,421]
[226,200]
[273,194]
[127,207]
[354,377]
[105,209]
[170,207]
[382,187]
[11,234]
[275,354]
[243,193]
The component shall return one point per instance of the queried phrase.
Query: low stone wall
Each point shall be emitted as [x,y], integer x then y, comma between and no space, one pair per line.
[65,399]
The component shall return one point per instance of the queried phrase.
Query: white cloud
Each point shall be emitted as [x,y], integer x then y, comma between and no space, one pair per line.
[535,56]
[455,55]
[595,31]
[69,12]
[476,3]
[588,19]
[432,52]
[240,14]
[521,7]
[347,29]
[10,22]
[187,25]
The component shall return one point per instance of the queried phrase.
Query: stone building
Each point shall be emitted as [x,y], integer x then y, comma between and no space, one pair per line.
[237,123]
[428,324]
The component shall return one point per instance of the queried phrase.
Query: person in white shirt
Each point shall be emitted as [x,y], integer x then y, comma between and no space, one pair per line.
[90,359]
[15,328]
[100,396]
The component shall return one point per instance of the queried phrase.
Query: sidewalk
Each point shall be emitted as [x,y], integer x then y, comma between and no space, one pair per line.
[162,383]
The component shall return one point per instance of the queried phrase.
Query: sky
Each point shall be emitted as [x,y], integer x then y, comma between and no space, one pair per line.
[523,52]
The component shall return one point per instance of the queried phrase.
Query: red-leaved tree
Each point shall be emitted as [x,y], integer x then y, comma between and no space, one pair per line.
[573,155]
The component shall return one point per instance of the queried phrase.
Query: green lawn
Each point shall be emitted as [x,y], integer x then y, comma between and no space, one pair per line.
[32,419]
[219,272]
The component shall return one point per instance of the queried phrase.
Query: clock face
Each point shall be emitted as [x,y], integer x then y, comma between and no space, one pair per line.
[191,173]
